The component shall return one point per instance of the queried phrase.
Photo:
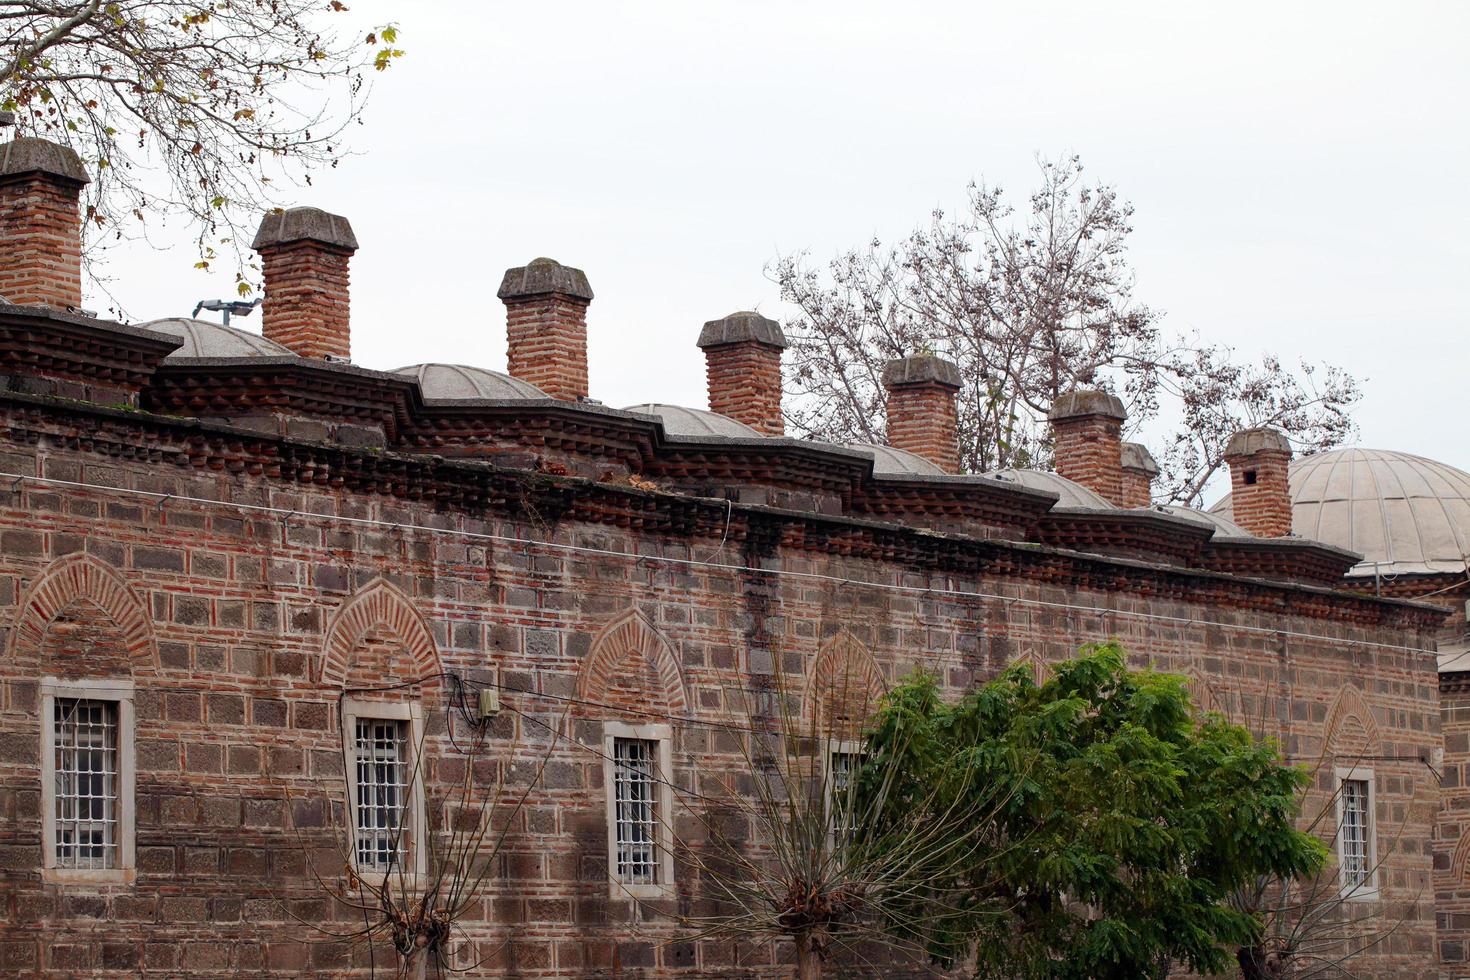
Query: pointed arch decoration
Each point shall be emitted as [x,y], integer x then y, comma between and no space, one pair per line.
[844,670]
[1350,728]
[379,604]
[81,577]
[631,635]
[1459,859]
[1031,660]
[1203,696]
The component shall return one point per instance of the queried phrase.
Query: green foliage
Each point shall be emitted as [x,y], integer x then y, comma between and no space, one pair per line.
[1120,821]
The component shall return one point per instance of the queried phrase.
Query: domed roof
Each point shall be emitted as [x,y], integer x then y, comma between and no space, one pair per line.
[205,339]
[695,422]
[459,382]
[1408,514]
[888,461]
[1223,528]
[1071,494]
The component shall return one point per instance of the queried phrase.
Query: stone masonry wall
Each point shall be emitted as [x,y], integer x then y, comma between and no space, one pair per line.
[242,630]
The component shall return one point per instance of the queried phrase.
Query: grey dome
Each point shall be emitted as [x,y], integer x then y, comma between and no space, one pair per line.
[695,422]
[888,461]
[205,339]
[1071,494]
[1409,514]
[459,382]
[1223,527]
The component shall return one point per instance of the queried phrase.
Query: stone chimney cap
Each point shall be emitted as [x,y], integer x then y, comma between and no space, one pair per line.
[1137,457]
[28,155]
[304,224]
[1087,402]
[1248,442]
[541,276]
[921,369]
[741,327]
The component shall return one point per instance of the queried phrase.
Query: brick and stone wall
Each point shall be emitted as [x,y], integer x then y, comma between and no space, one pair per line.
[242,630]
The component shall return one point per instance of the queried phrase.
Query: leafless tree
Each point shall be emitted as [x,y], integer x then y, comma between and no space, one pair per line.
[188,108]
[1030,306]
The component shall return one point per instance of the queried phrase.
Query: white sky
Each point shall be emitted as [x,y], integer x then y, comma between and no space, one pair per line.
[1299,171]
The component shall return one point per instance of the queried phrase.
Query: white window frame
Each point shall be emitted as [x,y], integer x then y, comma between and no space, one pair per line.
[847,746]
[1367,890]
[120,693]
[662,736]
[406,711]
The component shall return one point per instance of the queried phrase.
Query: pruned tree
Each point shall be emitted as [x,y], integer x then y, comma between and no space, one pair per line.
[197,109]
[1030,306]
[788,846]
[403,888]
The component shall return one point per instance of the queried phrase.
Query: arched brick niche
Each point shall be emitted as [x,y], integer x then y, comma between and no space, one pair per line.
[843,688]
[631,670]
[81,614]
[1031,662]
[378,637]
[1351,732]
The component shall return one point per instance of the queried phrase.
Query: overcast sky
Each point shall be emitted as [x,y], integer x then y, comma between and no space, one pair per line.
[1299,171]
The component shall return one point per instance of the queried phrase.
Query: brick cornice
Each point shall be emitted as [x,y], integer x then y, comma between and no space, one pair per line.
[39,342]
[472,488]
[242,387]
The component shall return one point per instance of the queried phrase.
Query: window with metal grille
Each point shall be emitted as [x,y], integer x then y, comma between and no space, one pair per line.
[382,792]
[841,765]
[635,816]
[84,742]
[1355,833]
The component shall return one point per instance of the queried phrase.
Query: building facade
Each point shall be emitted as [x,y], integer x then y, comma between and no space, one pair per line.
[265,613]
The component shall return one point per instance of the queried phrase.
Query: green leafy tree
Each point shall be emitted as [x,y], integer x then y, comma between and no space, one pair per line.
[1136,820]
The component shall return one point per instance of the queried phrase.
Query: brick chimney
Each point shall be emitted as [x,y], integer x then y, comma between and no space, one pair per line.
[1260,496]
[305,252]
[1087,432]
[921,408]
[742,361]
[40,229]
[1139,470]
[546,326]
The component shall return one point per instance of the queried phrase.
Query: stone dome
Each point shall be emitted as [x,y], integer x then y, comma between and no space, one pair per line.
[695,422]
[888,461]
[1409,514]
[459,382]
[203,338]
[1071,494]
[1223,527]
